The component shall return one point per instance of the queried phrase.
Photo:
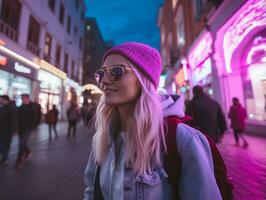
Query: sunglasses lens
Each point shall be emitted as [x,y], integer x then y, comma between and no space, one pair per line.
[117,73]
[99,75]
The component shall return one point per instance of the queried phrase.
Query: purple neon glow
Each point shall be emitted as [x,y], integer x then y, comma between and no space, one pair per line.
[257,51]
[249,16]
[201,50]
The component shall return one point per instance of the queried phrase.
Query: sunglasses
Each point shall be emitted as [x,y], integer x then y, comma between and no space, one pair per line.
[114,73]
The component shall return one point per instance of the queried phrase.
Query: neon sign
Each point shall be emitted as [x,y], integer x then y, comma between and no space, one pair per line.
[248,17]
[22,69]
[3,60]
[257,51]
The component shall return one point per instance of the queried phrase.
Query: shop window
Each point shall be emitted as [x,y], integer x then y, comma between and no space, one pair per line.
[68,24]
[61,13]
[10,16]
[47,47]
[58,56]
[33,36]
[66,62]
[255,92]
[51,4]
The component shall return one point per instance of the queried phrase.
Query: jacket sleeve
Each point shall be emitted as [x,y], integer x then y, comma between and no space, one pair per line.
[197,179]
[89,178]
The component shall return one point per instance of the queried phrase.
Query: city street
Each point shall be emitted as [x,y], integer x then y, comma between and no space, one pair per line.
[55,170]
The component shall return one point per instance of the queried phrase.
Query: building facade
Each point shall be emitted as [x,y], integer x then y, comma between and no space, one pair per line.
[41,50]
[223,50]
[94,48]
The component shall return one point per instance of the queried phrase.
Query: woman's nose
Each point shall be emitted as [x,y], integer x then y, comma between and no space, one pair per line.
[106,79]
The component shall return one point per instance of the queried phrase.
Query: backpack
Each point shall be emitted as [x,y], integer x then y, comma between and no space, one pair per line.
[173,160]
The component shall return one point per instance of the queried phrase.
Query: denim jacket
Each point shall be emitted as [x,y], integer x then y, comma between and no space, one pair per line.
[197,179]
[149,187]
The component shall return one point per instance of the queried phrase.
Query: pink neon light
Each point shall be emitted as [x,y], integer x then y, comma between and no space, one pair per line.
[259,47]
[253,51]
[201,50]
[248,17]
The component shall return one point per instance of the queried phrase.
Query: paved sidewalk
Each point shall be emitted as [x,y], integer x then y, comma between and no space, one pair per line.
[55,170]
[246,166]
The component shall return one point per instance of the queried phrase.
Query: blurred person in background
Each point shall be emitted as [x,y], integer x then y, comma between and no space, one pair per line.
[238,115]
[26,122]
[38,114]
[73,115]
[51,118]
[207,114]
[7,126]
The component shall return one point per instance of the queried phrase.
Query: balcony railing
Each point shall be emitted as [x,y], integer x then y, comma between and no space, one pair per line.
[33,48]
[9,31]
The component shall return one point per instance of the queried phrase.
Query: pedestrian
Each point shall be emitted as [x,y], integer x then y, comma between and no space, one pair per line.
[51,119]
[207,114]
[7,126]
[126,158]
[26,122]
[73,115]
[238,114]
[38,114]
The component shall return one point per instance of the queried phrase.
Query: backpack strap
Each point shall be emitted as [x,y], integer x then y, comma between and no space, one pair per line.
[172,158]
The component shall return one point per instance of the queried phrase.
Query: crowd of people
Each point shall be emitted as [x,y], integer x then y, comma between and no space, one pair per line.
[24,119]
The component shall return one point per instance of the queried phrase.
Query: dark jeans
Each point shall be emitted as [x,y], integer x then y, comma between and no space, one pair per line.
[71,126]
[237,134]
[5,142]
[52,126]
[23,144]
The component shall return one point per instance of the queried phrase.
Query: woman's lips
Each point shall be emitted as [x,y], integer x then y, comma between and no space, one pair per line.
[109,91]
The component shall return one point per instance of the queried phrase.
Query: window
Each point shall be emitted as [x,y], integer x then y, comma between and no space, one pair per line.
[75,30]
[77,4]
[33,36]
[47,47]
[68,24]
[198,8]
[65,63]
[80,43]
[72,68]
[10,15]
[61,13]
[82,15]
[51,4]
[58,55]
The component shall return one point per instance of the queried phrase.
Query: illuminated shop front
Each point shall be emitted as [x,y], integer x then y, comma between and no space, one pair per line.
[51,87]
[72,93]
[182,83]
[199,60]
[17,75]
[241,58]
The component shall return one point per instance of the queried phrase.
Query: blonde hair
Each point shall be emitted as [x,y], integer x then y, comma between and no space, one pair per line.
[145,135]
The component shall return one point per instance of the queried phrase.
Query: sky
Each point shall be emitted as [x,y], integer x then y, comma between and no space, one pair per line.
[127,20]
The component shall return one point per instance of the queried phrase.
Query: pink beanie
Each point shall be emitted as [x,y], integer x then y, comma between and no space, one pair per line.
[144,57]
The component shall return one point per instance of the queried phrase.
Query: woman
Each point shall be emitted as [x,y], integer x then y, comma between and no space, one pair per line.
[126,160]
[238,114]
